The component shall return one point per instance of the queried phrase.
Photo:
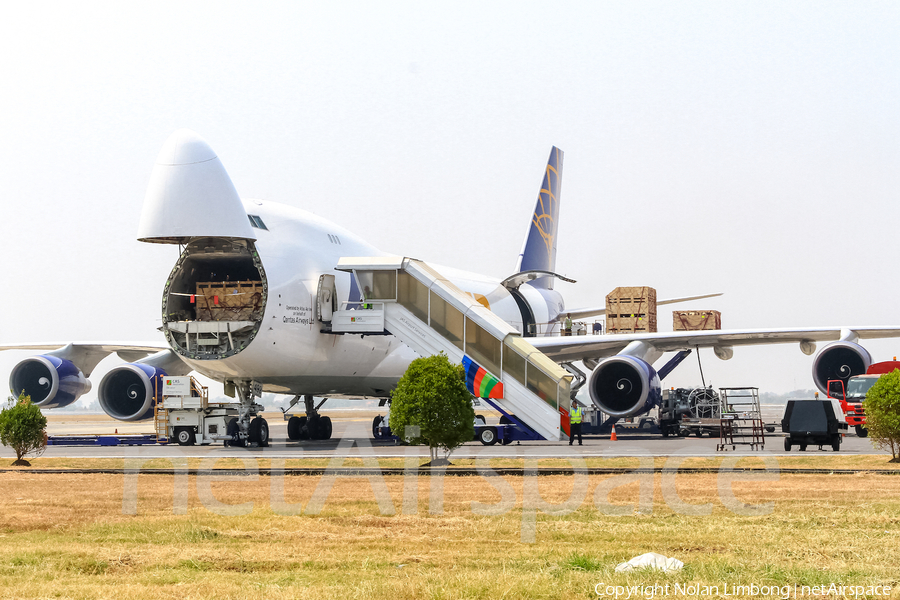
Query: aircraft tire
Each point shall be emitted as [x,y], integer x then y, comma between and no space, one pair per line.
[313,427]
[184,436]
[293,428]
[232,430]
[325,428]
[304,430]
[259,432]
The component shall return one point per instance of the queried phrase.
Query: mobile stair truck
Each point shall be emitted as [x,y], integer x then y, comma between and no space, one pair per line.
[415,303]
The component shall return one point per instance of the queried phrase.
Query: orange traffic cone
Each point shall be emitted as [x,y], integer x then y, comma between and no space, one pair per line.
[613,437]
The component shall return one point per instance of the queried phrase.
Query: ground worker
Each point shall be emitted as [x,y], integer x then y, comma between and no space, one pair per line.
[576,415]
[567,325]
[367,293]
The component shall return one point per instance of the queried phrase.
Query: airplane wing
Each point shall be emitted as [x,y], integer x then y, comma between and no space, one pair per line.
[583,313]
[86,355]
[573,348]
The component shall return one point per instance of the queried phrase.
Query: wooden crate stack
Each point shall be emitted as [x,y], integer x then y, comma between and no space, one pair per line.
[228,301]
[631,310]
[696,320]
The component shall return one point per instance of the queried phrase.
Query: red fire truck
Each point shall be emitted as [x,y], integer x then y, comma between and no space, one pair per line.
[851,397]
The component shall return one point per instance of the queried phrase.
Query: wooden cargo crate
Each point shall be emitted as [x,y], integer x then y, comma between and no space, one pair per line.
[631,310]
[228,300]
[696,320]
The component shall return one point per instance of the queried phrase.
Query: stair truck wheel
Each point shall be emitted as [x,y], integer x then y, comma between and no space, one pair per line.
[184,436]
[488,436]
[376,427]
[259,432]
[294,428]
[836,443]
[787,444]
[802,447]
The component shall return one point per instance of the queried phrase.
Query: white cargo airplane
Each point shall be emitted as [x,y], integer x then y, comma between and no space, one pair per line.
[244,304]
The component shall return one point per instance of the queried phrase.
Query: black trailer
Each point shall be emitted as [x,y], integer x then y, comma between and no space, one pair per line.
[816,422]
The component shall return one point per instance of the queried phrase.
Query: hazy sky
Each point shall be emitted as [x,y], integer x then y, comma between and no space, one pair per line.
[749,148]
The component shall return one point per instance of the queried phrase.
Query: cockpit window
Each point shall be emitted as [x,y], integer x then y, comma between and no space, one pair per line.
[255,221]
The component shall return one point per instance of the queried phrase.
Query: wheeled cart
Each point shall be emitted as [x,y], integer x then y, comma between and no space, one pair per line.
[184,414]
[816,422]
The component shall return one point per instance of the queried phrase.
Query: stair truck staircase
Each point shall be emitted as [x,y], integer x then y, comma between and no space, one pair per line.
[413,302]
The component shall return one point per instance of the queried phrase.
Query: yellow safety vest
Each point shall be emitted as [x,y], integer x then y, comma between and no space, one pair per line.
[575,415]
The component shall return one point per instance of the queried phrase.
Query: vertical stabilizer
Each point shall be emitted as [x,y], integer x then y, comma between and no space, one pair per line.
[539,251]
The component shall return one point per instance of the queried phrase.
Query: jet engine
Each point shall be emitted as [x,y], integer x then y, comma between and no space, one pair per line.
[127,392]
[839,360]
[622,386]
[52,382]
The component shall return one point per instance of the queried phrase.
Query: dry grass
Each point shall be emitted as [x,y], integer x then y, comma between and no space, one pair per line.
[813,461]
[66,536]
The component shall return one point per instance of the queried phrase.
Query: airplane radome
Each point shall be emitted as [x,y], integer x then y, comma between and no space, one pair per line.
[254,299]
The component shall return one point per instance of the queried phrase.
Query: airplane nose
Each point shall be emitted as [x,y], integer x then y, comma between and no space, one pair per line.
[191,195]
[184,147]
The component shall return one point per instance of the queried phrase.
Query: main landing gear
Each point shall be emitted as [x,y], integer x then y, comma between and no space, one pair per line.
[248,428]
[312,426]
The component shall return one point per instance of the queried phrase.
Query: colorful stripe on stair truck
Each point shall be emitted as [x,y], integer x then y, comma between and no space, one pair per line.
[481,383]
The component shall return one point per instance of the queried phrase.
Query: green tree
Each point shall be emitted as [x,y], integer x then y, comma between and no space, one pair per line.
[22,428]
[882,408]
[432,400]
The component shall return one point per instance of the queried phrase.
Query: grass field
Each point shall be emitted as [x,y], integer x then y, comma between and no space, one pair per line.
[66,536]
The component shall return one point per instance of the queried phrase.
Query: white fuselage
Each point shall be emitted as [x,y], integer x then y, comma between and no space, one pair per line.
[291,354]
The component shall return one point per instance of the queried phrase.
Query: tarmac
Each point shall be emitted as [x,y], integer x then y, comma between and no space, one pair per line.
[352,437]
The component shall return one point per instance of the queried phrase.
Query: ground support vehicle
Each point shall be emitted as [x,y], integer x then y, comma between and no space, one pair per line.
[101,440]
[699,427]
[816,422]
[184,414]
[852,396]
[508,430]
[689,411]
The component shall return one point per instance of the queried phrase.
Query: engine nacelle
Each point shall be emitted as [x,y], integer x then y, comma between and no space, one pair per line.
[623,386]
[839,360]
[126,393]
[52,382]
